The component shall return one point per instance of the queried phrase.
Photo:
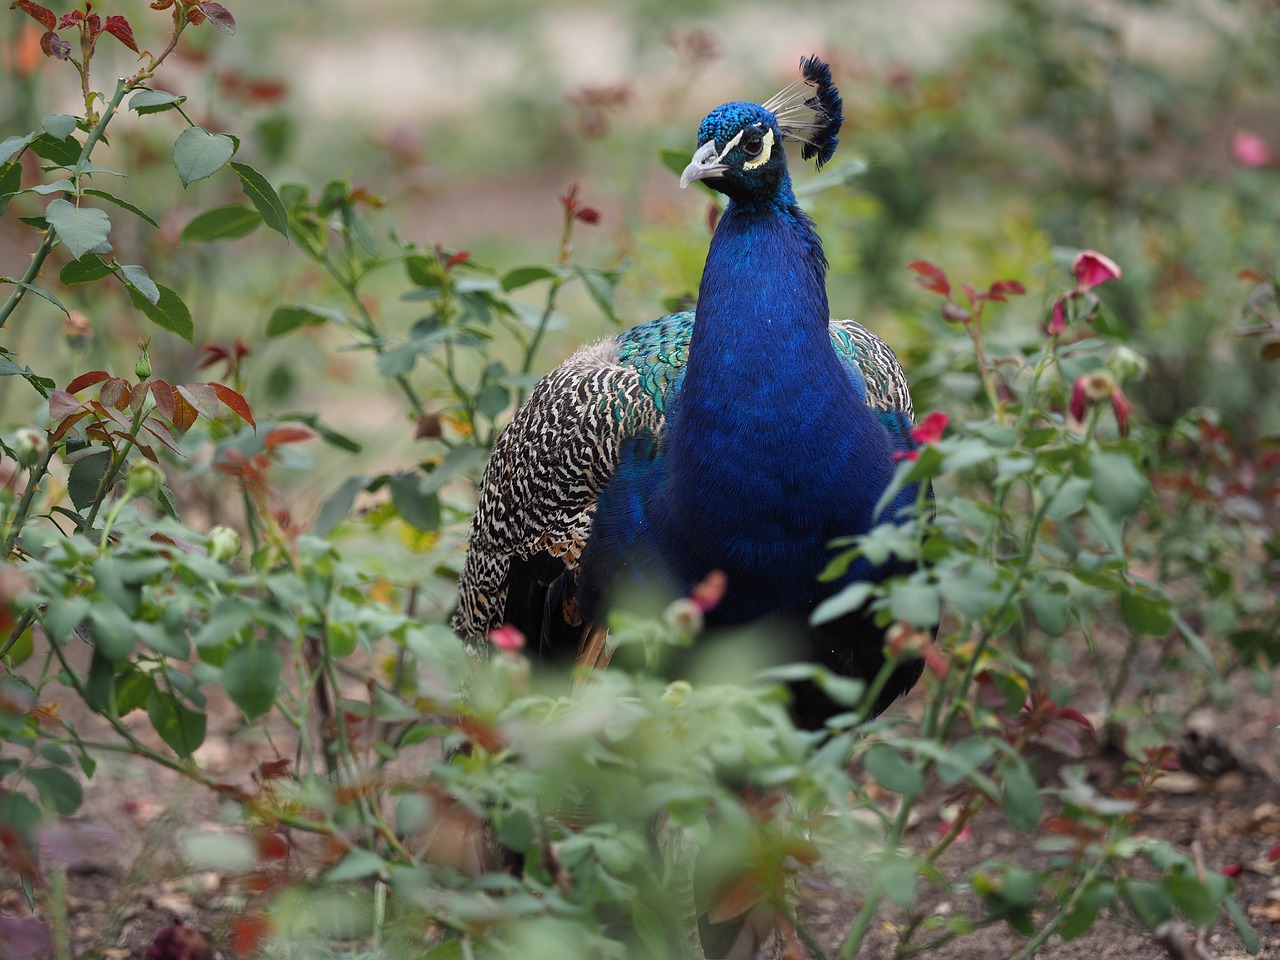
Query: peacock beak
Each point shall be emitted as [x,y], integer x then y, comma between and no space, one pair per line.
[704,164]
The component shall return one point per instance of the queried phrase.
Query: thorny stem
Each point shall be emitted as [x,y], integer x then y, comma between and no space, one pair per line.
[37,473]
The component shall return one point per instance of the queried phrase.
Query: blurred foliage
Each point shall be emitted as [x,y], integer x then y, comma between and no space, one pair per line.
[1109,480]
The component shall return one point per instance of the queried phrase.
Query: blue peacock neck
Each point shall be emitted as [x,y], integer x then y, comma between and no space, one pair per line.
[770,445]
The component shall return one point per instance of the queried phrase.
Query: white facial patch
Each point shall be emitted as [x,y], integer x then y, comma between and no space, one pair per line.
[765,151]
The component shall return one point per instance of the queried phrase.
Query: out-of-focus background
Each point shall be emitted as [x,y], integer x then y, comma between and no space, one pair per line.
[980,135]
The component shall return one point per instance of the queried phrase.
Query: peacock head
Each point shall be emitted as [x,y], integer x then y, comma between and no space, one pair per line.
[740,150]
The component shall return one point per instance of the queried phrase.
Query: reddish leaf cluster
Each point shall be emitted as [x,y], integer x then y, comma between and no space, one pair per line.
[595,104]
[180,406]
[252,469]
[90,24]
[230,355]
[934,279]
[198,11]
[575,209]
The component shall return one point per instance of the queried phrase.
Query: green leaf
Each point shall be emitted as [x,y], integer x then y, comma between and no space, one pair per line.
[1146,612]
[1021,795]
[337,506]
[168,312]
[251,676]
[85,476]
[674,160]
[1193,898]
[231,853]
[397,361]
[59,791]
[154,101]
[356,865]
[263,196]
[80,229]
[493,400]
[849,599]
[124,204]
[892,771]
[229,222]
[138,278]
[113,632]
[10,183]
[920,604]
[177,724]
[523,276]
[59,125]
[1244,929]
[1050,607]
[10,146]
[45,295]
[1118,484]
[898,880]
[198,154]
[65,152]
[1150,901]
[88,269]
[459,460]
[416,508]
[63,615]
[288,318]
[599,286]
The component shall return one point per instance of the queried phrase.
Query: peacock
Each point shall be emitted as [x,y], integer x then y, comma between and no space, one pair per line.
[732,441]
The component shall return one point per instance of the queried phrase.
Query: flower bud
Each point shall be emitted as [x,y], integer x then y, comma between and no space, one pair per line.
[30,445]
[1128,365]
[684,615]
[224,543]
[676,693]
[143,479]
[142,369]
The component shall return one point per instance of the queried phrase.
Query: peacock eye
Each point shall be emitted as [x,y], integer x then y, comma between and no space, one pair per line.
[752,144]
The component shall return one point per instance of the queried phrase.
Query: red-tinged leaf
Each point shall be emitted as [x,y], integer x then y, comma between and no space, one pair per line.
[87,380]
[94,23]
[119,28]
[930,277]
[462,256]
[234,402]
[1075,716]
[70,19]
[63,404]
[1253,276]
[106,413]
[184,414]
[163,393]
[274,769]
[291,433]
[157,430]
[248,934]
[139,395]
[54,46]
[1273,855]
[65,426]
[161,4]
[272,846]
[145,449]
[195,16]
[219,16]
[738,897]
[42,15]
[116,392]
[200,396]
[974,296]
[1003,288]
[1232,869]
